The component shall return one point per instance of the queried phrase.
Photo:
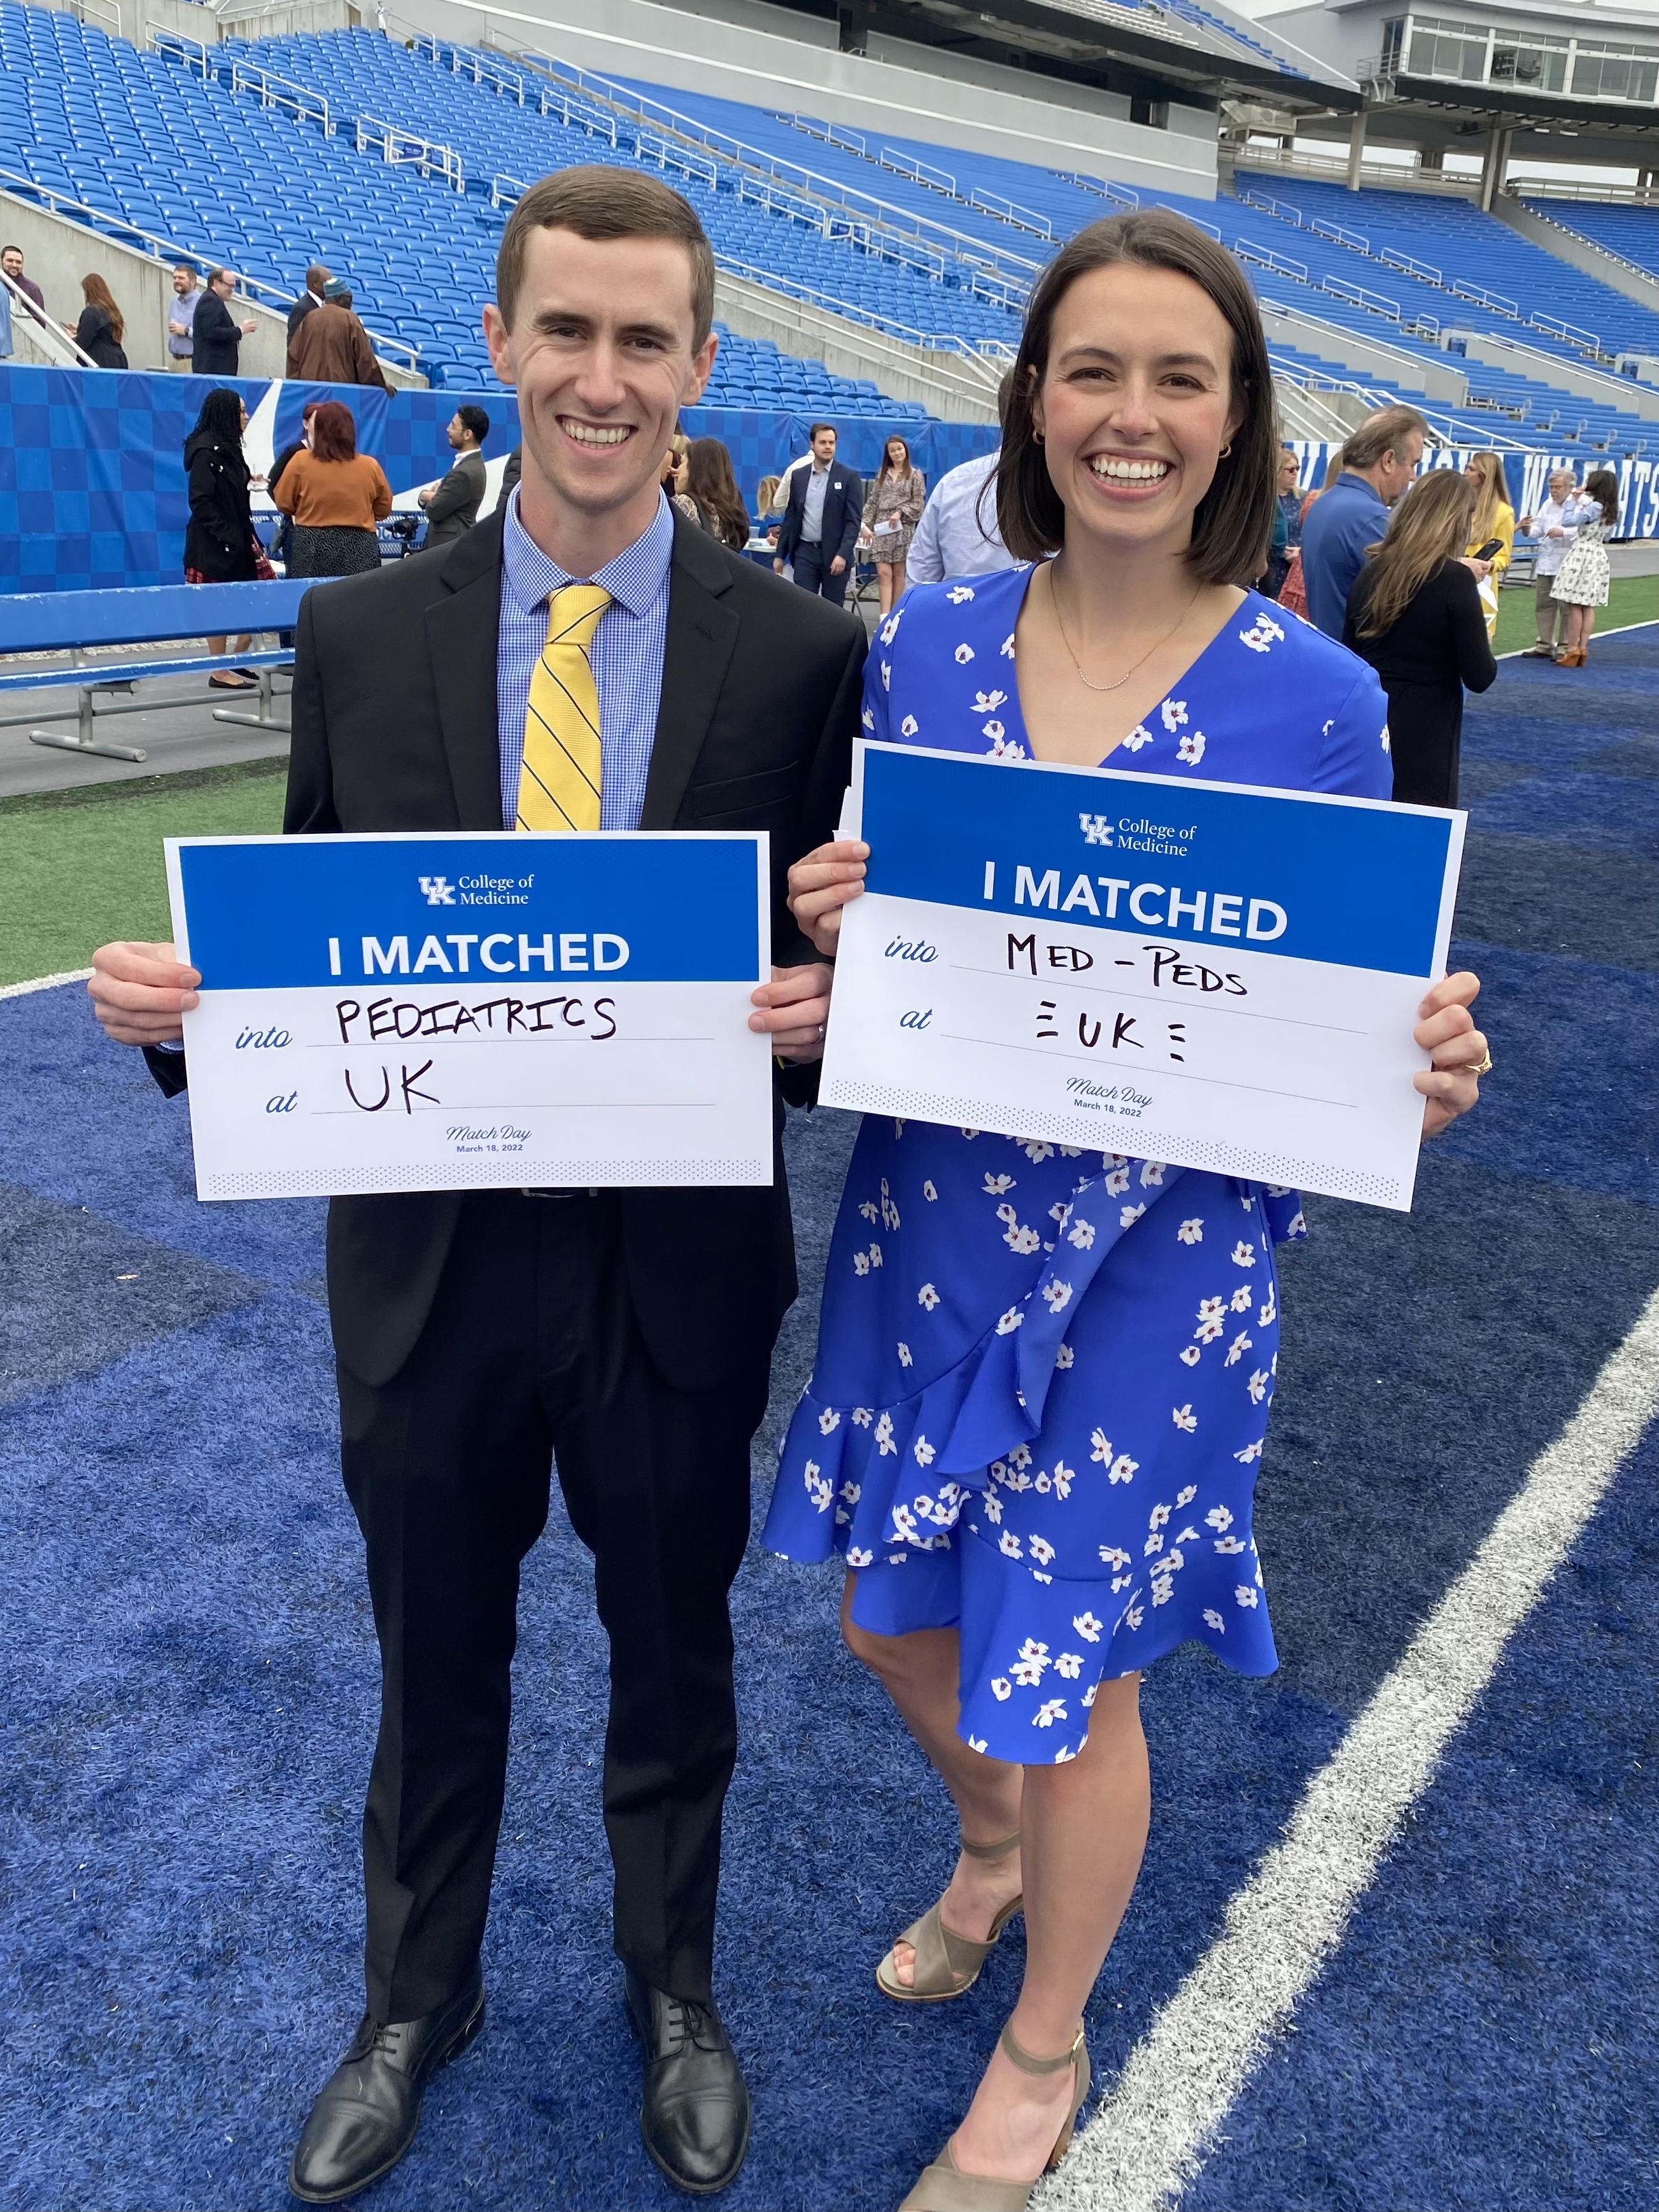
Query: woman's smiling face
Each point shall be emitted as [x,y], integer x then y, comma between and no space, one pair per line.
[1136,403]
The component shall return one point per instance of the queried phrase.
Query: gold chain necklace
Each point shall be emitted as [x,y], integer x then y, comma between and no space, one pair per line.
[1053,599]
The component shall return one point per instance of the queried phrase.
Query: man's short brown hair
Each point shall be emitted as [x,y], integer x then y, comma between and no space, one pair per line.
[604,204]
[1385,432]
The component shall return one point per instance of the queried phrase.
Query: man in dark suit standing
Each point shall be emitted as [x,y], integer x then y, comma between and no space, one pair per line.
[215,335]
[820,525]
[478,1335]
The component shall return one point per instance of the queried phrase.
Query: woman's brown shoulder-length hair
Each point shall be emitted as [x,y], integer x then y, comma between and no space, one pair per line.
[1233,523]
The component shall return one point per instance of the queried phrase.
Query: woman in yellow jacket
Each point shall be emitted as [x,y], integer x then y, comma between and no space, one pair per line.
[1493,518]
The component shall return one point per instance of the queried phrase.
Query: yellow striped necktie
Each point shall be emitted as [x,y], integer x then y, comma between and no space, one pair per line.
[563,775]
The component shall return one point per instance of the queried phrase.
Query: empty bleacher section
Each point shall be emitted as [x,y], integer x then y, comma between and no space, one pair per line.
[395,163]
[1618,227]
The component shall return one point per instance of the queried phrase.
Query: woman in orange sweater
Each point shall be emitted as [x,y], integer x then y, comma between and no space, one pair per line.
[335,496]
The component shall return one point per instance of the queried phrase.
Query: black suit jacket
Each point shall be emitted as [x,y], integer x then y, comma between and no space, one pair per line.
[395,728]
[844,512]
[215,338]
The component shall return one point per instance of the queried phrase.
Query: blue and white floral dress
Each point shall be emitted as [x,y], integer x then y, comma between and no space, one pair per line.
[1044,1374]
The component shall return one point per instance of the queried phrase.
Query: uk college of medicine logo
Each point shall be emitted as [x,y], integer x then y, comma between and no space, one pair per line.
[1097,830]
[440,892]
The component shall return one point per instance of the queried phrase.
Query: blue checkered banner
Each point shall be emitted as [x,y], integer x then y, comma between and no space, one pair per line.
[92,478]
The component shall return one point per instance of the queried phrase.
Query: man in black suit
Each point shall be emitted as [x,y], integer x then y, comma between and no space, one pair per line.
[628,1331]
[820,525]
[215,335]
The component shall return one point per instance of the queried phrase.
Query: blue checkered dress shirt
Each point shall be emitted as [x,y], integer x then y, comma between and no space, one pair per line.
[628,655]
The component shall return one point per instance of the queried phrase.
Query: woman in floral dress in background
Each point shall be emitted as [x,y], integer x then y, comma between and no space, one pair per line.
[890,515]
[1044,1374]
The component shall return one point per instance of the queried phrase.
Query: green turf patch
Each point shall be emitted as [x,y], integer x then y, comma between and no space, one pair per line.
[80,867]
[1630,599]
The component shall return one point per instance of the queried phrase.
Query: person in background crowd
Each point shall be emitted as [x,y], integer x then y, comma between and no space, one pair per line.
[1555,526]
[334,495]
[1287,523]
[187,297]
[219,546]
[331,345]
[1293,592]
[711,487]
[891,512]
[1414,612]
[511,474]
[1378,461]
[1493,518]
[451,507]
[765,500]
[1009,1611]
[279,544]
[1581,583]
[317,280]
[958,534]
[218,333]
[5,324]
[820,525]
[101,328]
[11,260]
[673,474]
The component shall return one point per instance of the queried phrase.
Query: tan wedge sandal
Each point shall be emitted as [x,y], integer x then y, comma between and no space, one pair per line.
[947,1964]
[944,2186]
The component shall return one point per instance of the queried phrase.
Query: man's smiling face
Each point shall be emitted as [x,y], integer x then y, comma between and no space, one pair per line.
[600,349]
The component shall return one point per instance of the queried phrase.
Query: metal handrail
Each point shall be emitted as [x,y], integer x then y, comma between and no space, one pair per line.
[1246,249]
[920,173]
[1355,240]
[1123,195]
[401,146]
[1425,273]
[848,311]
[1006,211]
[887,216]
[168,249]
[1282,209]
[246,76]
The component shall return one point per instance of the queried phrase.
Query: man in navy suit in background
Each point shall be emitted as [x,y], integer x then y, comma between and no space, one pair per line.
[820,522]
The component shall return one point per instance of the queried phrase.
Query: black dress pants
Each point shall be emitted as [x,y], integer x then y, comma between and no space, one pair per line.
[532,1349]
[811,567]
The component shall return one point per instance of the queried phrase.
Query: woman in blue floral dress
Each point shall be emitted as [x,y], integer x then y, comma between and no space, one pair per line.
[1044,1374]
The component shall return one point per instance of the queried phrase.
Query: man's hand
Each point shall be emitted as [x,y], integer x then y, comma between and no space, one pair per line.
[249,327]
[425,493]
[138,993]
[778,565]
[838,566]
[795,1007]
[1448,1033]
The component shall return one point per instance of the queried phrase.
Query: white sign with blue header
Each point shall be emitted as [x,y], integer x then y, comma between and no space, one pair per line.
[461,1011]
[1207,974]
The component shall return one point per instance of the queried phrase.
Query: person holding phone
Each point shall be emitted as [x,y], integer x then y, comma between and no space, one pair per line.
[1415,613]
[1104,1515]
[1491,533]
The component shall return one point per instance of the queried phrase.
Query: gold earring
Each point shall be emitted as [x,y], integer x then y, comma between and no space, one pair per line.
[1037,435]
[1225,450]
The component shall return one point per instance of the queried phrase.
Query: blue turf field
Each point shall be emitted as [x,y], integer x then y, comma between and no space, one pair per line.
[188,1676]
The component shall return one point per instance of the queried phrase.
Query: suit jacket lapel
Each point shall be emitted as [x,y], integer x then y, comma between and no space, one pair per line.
[461,631]
[702,634]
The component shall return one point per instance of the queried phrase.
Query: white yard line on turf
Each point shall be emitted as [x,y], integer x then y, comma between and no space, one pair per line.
[1149,2137]
[44,983]
[1648,622]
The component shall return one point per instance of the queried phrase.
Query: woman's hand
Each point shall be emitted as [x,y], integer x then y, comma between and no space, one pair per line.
[1479,569]
[1448,1033]
[794,1008]
[821,884]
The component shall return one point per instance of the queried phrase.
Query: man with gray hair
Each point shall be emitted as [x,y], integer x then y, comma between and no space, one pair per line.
[1378,461]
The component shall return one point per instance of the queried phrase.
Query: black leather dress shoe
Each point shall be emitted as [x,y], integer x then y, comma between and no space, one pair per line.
[695,2116]
[366,2115]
